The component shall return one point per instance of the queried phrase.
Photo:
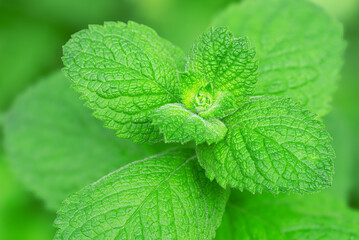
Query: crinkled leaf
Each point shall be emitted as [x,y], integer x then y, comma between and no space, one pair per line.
[162,197]
[287,217]
[225,66]
[179,124]
[273,145]
[226,62]
[56,147]
[299,48]
[124,72]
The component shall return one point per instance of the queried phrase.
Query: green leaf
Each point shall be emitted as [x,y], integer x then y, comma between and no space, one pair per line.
[299,48]
[287,217]
[124,72]
[226,62]
[162,197]
[225,66]
[179,124]
[272,145]
[56,147]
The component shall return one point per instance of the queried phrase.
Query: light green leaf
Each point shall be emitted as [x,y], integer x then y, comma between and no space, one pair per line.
[226,62]
[287,217]
[56,147]
[179,124]
[124,72]
[299,48]
[272,145]
[162,197]
[225,67]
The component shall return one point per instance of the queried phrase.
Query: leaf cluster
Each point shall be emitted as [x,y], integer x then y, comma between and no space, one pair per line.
[236,106]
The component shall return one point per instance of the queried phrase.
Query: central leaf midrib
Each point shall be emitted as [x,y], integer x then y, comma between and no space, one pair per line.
[155,189]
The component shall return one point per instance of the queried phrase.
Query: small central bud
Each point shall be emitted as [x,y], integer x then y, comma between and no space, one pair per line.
[203,99]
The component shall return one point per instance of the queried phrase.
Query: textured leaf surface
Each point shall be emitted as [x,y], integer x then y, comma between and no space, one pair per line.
[162,197]
[179,124]
[287,217]
[56,146]
[124,72]
[299,48]
[273,145]
[226,64]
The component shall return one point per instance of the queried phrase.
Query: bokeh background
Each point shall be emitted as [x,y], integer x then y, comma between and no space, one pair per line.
[32,33]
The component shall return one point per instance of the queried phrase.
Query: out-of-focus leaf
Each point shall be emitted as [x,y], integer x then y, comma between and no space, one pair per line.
[56,146]
[343,143]
[343,9]
[348,98]
[21,217]
[299,48]
[180,21]
[284,217]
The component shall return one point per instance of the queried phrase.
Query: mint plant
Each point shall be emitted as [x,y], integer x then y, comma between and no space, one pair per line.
[131,78]
[234,111]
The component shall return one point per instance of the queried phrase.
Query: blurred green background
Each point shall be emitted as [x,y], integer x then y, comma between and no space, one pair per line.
[32,33]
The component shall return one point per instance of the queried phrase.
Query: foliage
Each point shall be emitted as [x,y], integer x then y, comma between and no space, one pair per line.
[240,110]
